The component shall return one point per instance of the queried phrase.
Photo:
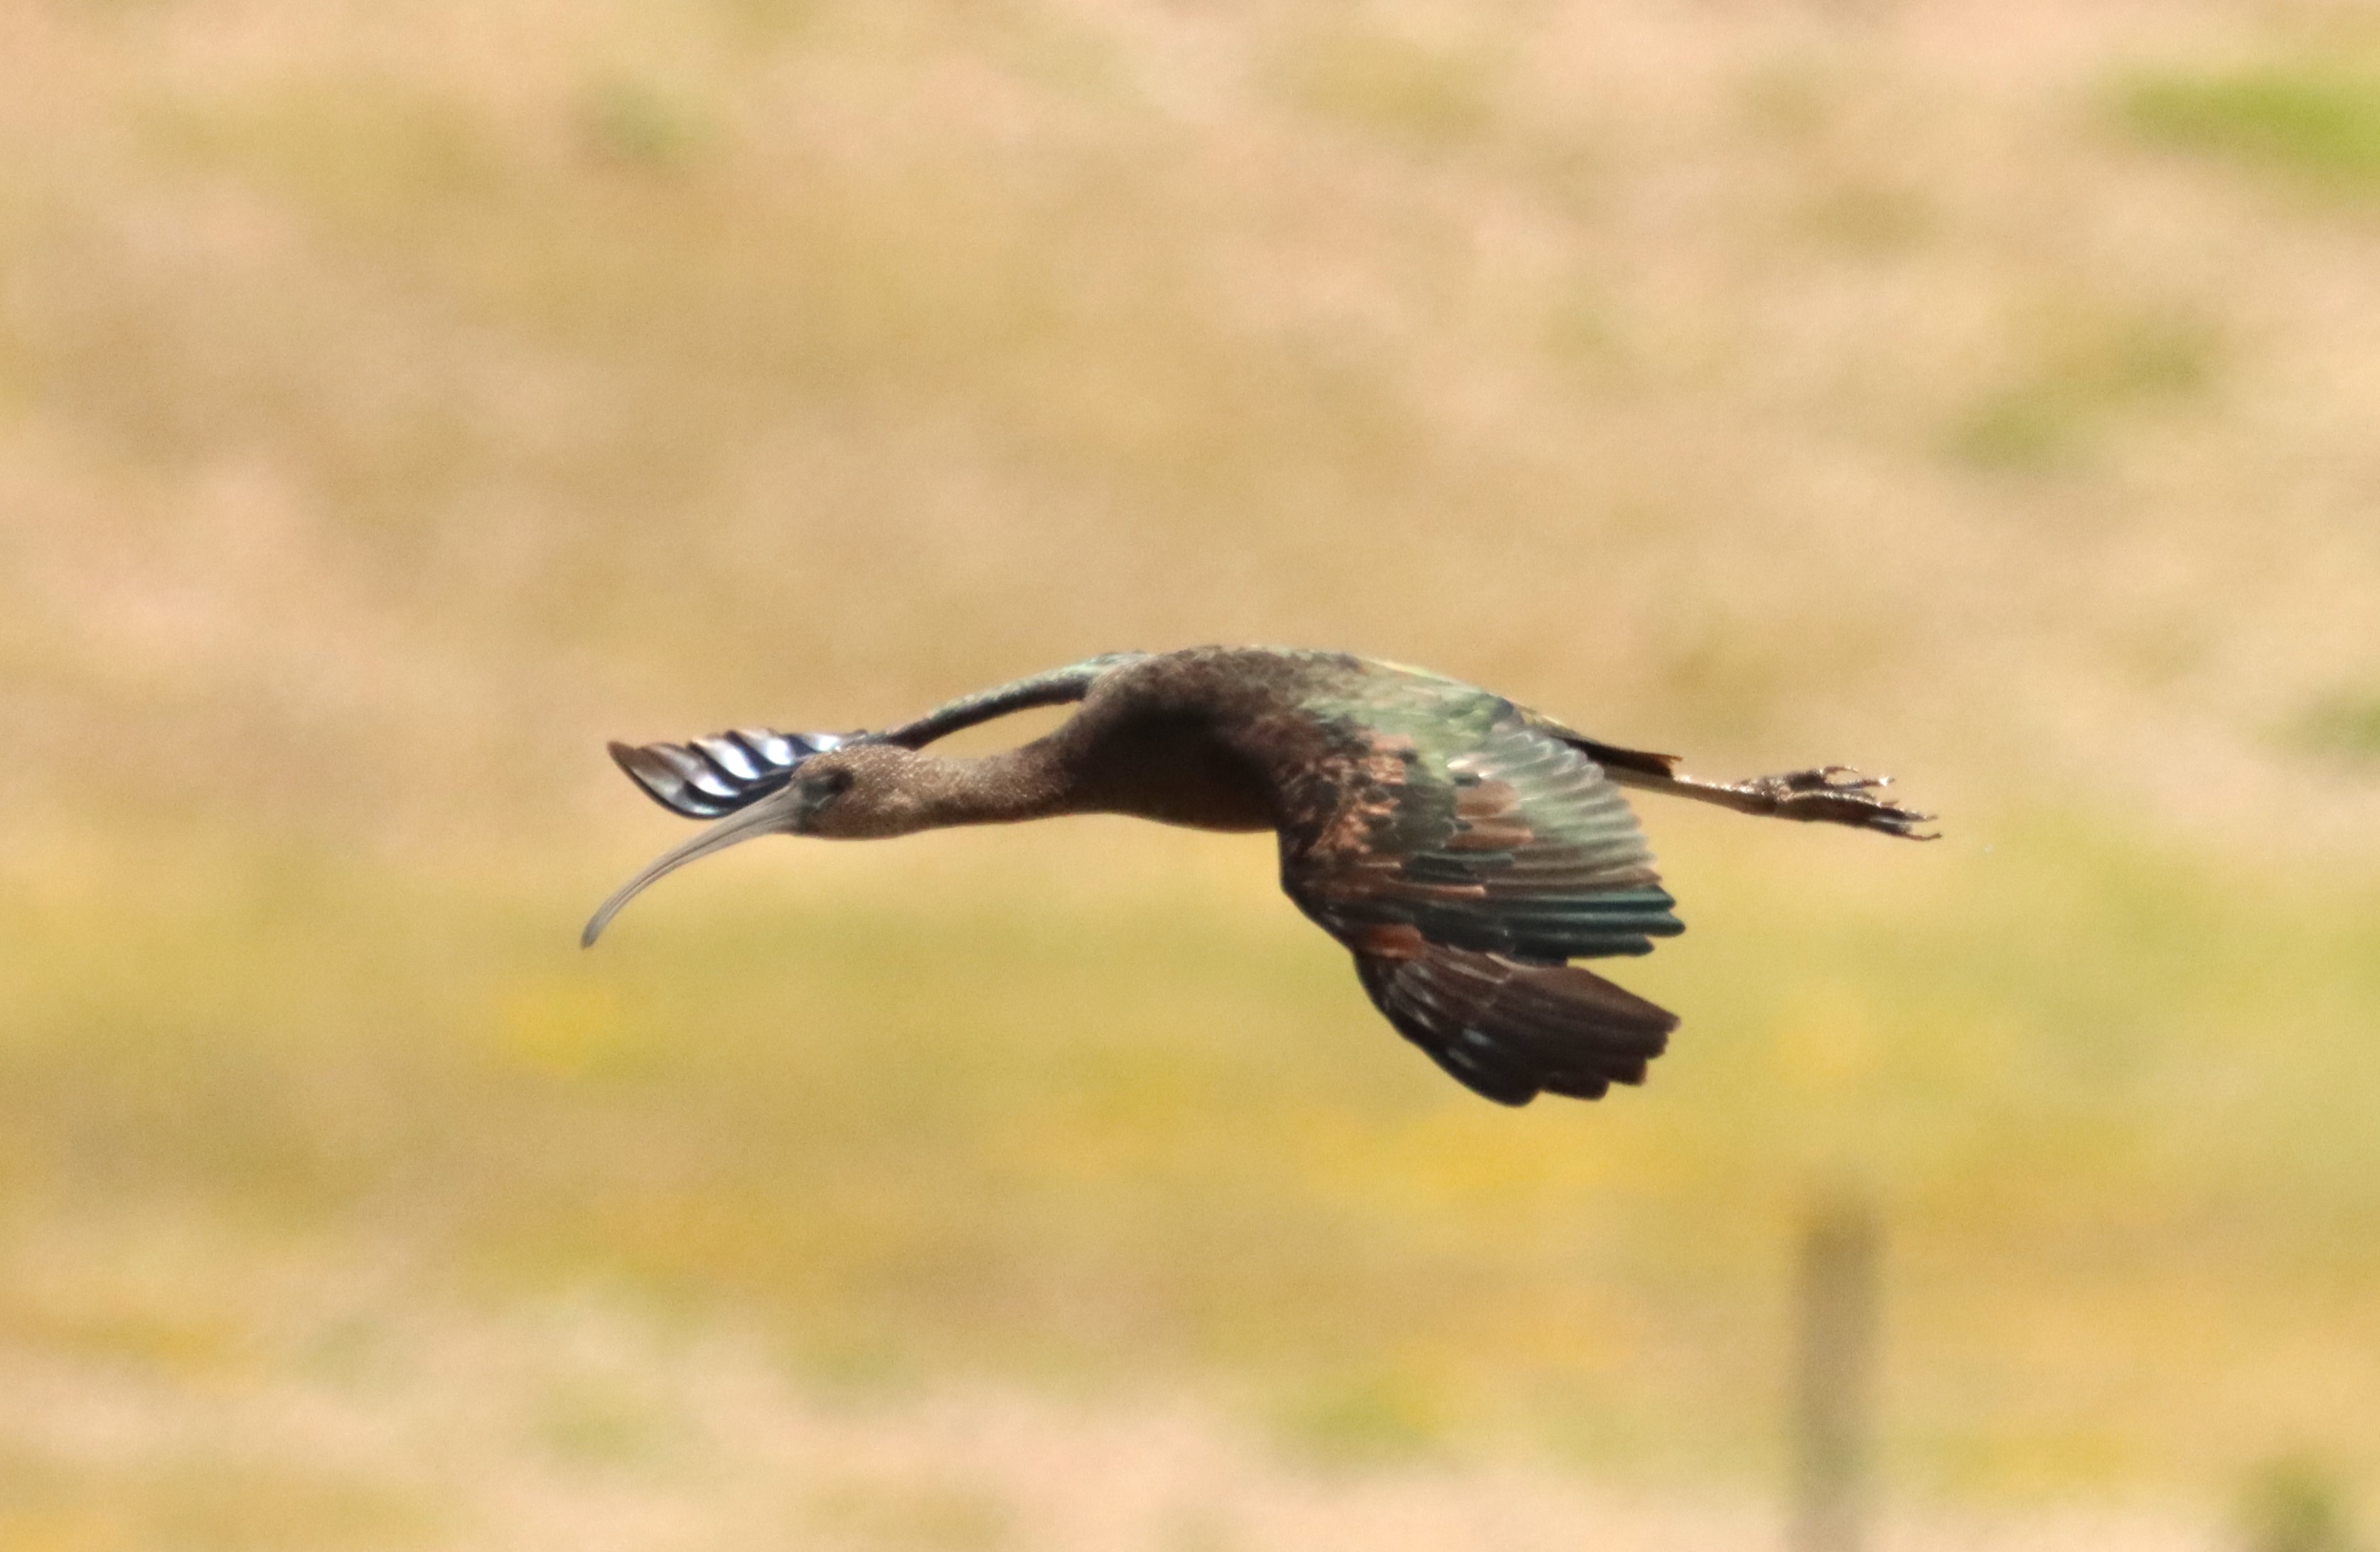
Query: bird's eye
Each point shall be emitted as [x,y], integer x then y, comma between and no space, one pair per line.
[835,782]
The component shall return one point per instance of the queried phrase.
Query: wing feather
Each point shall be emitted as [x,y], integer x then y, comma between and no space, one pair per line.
[1465,851]
[1510,1030]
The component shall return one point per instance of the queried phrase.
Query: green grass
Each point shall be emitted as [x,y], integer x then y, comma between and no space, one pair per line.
[2317,121]
[2296,1505]
[2090,374]
[2111,1100]
[2343,728]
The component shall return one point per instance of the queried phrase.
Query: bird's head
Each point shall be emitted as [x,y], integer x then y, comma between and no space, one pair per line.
[853,793]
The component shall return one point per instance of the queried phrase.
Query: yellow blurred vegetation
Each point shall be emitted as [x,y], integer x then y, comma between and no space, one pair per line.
[395,401]
[1147,1132]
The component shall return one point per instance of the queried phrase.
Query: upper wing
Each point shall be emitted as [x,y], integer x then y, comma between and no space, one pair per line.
[1463,851]
[1500,838]
[1056,687]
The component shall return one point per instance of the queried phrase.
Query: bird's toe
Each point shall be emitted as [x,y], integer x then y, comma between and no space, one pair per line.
[1839,794]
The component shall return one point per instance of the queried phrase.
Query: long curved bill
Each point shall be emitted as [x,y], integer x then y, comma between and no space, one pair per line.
[769,814]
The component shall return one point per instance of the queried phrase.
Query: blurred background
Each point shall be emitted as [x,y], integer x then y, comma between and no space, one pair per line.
[397,400]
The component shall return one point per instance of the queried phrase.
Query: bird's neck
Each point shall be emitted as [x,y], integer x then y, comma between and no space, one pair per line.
[941,792]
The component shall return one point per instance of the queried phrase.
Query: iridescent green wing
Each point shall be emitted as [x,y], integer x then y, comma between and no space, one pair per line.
[1443,810]
[1464,853]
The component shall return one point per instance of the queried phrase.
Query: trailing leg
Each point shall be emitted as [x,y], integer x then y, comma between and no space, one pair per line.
[1826,794]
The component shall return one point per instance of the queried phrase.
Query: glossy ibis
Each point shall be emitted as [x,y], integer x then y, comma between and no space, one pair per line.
[1463,847]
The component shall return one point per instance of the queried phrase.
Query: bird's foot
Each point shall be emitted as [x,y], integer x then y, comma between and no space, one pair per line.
[1838,795]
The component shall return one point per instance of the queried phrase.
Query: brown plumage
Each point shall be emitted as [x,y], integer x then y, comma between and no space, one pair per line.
[1465,849]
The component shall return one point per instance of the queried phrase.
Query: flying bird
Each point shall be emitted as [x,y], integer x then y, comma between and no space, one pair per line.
[1464,848]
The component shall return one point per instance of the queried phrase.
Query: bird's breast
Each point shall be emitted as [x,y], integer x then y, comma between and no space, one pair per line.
[1175,769]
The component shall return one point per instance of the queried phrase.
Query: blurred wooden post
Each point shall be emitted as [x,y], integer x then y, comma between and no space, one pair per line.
[1834,1376]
